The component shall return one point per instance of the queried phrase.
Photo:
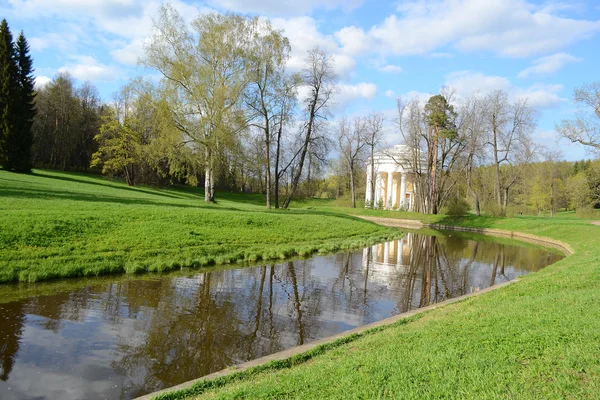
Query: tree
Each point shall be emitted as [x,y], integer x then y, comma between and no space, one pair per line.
[21,139]
[320,79]
[373,139]
[509,127]
[472,125]
[286,102]
[579,191]
[440,117]
[585,128]
[206,71]
[268,76]
[351,138]
[120,147]
[8,93]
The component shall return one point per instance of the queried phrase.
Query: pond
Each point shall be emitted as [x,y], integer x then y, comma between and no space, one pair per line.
[122,337]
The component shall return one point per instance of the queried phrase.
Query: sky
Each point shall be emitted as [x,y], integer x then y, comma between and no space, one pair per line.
[541,50]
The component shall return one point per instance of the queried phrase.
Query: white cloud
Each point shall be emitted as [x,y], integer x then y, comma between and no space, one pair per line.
[549,65]
[394,69]
[349,92]
[538,95]
[130,53]
[87,68]
[304,35]
[513,28]
[354,40]
[41,81]
[283,7]
[102,8]
[56,41]
[390,93]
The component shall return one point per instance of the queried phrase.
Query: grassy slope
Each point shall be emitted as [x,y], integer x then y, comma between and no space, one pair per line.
[55,224]
[538,338]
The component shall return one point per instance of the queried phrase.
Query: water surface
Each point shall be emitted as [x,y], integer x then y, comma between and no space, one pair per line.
[122,337]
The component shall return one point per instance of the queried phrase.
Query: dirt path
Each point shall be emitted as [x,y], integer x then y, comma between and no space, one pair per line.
[596,223]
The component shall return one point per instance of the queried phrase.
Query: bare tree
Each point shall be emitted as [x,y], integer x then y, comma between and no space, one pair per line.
[509,127]
[320,79]
[585,128]
[268,74]
[351,138]
[414,131]
[373,139]
[472,127]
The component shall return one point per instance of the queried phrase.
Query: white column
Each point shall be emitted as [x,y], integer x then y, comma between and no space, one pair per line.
[389,202]
[386,253]
[368,193]
[377,188]
[403,191]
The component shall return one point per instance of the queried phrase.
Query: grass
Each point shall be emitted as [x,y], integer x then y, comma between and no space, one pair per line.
[536,339]
[58,225]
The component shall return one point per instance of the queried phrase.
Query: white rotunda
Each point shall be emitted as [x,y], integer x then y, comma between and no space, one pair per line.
[394,179]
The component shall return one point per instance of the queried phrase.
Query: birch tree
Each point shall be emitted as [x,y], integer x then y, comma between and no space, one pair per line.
[319,79]
[206,70]
[271,51]
[351,140]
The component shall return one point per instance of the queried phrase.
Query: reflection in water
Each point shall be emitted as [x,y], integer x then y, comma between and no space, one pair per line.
[128,337]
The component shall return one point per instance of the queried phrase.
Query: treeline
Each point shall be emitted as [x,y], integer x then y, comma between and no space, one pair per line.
[476,155]
[16,101]
[225,114]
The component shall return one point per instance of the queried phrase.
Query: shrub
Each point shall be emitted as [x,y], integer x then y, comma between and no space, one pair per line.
[456,206]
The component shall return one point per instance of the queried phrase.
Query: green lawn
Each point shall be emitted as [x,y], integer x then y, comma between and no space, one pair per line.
[536,339]
[56,224]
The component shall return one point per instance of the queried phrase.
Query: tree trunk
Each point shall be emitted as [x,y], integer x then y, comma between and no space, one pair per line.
[298,174]
[209,195]
[352,187]
[433,188]
[268,154]
[373,183]
[277,155]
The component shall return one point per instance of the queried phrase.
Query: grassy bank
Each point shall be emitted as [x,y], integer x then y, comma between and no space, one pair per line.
[538,339]
[56,225]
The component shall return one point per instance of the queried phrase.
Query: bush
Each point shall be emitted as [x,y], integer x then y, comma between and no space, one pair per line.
[587,212]
[456,206]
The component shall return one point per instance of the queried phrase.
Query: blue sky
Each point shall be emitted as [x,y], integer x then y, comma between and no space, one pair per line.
[541,50]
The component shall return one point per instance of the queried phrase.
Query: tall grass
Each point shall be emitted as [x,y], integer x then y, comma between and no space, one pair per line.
[57,225]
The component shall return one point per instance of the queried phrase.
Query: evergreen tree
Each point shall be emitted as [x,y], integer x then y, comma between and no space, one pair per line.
[8,75]
[20,142]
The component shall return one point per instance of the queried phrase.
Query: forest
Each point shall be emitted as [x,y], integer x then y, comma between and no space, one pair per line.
[225,114]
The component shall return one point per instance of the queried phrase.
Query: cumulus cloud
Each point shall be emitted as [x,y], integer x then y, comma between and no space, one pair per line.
[56,41]
[283,7]
[87,68]
[347,93]
[513,28]
[41,81]
[467,83]
[390,93]
[303,34]
[549,65]
[130,53]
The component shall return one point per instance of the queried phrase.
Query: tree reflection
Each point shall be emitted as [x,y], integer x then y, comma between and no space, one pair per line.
[12,318]
[167,330]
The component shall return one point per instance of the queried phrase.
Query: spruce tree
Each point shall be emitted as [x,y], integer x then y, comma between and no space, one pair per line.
[8,75]
[21,140]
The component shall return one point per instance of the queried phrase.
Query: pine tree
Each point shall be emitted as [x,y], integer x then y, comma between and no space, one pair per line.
[8,74]
[19,157]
